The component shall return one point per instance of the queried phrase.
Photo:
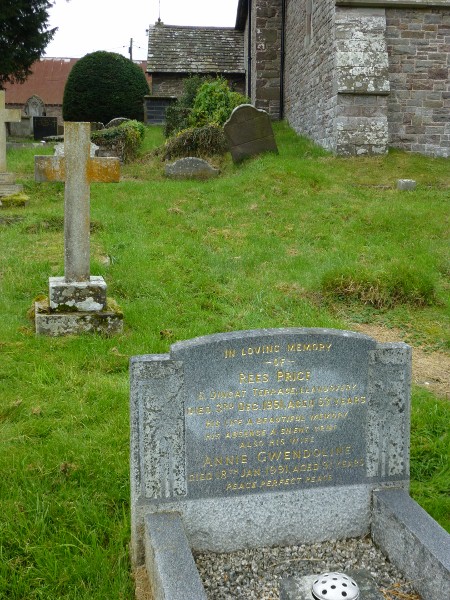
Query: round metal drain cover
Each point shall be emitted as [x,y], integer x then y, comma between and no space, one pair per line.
[335,586]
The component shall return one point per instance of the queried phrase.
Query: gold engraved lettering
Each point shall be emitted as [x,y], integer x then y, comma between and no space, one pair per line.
[250,473]
[233,435]
[198,410]
[230,395]
[238,487]
[293,430]
[200,477]
[257,350]
[309,347]
[328,416]
[327,401]
[277,442]
[293,375]
[302,454]
[253,378]
[251,444]
[209,437]
[233,422]
[223,407]
[319,428]
[273,405]
[302,440]
[242,406]
[230,353]
[217,461]
[350,464]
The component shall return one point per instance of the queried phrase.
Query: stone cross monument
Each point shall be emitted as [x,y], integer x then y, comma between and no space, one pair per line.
[6,116]
[77,291]
[7,186]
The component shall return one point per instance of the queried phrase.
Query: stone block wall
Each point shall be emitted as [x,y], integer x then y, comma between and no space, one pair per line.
[419,62]
[167,84]
[310,88]
[267,27]
[171,85]
[362,79]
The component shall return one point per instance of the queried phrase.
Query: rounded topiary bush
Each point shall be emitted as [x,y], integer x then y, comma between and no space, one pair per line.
[104,85]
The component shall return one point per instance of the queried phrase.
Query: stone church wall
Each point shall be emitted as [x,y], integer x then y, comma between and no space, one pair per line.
[310,90]
[419,60]
[267,32]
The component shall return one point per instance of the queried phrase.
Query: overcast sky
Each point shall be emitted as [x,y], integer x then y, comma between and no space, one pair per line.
[88,25]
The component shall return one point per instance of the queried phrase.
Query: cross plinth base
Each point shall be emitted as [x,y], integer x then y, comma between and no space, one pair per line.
[86,296]
[7,185]
[106,322]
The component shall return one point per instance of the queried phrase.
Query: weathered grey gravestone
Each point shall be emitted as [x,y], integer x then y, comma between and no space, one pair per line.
[249,132]
[277,436]
[77,302]
[7,185]
[191,167]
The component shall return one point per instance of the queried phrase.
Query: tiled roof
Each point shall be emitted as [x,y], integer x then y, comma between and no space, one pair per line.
[174,49]
[48,79]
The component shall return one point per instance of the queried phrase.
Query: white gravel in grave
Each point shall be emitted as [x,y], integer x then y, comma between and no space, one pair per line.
[255,574]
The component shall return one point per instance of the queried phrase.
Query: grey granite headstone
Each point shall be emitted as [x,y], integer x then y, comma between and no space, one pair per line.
[236,431]
[191,168]
[249,132]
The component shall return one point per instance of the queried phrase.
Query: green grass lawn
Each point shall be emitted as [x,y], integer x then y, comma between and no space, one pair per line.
[298,239]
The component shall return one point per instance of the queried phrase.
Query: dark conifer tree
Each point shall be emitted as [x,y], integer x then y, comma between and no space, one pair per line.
[24,35]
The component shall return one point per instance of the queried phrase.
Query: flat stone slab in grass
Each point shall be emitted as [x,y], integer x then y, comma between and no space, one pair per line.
[191,168]
[249,132]
[406,184]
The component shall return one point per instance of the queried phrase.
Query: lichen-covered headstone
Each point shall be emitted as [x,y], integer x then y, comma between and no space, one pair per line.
[249,132]
[191,168]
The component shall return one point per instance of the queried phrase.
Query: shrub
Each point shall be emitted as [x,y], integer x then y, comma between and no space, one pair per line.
[214,103]
[177,115]
[104,85]
[197,141]
[124,139]
[385,289]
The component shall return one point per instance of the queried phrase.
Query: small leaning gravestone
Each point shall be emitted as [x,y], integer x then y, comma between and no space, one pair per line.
[249,132]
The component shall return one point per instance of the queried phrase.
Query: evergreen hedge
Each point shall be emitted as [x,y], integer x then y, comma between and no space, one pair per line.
[102,86]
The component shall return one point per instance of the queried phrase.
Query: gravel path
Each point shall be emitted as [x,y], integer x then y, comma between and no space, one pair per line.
[256,574]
